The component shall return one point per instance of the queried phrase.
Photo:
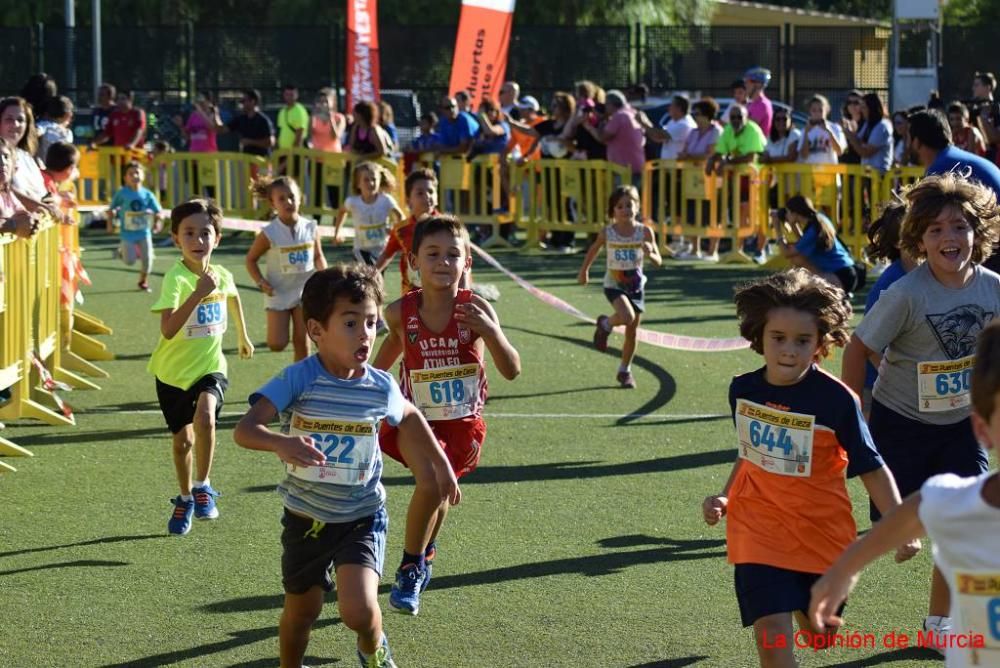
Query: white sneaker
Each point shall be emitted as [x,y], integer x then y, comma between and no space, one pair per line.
[709,257]
[939,626]
[688,255]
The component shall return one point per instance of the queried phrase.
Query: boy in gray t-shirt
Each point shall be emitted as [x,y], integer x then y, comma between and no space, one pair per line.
[924,331]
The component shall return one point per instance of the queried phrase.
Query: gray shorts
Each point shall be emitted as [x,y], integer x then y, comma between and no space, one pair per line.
[312,553]
[138,250]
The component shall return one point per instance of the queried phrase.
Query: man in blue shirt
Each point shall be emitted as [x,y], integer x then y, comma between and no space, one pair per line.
[930,139]
[456,131]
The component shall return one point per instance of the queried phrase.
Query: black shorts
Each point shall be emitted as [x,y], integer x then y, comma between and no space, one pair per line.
[915,451]
[763,590]
[178,406]
[309,556]
[638,299]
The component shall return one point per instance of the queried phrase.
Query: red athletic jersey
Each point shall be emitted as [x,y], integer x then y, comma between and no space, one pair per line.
[122,126]
[442,373]
[401,241]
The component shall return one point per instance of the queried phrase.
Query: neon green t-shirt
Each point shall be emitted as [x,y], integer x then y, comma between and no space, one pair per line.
[750,140]
[290,120]
[196,350]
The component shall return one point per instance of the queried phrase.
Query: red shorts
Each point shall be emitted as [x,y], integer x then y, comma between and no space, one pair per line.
[461,440]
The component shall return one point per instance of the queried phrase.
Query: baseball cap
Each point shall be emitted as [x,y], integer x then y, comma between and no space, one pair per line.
[528,102]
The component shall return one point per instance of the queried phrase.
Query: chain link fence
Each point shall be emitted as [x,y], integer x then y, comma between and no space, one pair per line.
[167,64]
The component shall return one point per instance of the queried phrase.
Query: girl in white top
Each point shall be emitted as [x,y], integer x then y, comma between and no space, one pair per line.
[823,141]
[627,243]
[290,245]
[374,212]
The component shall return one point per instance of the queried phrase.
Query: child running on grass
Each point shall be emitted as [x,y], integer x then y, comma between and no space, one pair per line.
[884,238]
[330,406]
[442,332]
[188,363]
[799,430]
[138,213]
[627,243]
[291,247]
[373,210]
[420,188]
[924,330]
[962,516]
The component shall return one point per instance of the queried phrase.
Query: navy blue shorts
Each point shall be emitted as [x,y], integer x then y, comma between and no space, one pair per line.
[638,299]
[915,451]
[312,551]
[763,590]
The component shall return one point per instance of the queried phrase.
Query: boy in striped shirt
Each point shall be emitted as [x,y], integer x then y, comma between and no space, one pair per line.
[330,406]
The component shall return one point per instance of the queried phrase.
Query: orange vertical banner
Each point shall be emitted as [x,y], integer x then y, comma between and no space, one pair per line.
[362,51]
[481,48]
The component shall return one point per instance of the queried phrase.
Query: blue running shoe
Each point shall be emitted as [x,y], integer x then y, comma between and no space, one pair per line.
[382,658]
[204,503]
[180,519]
[428,569]
[405,593]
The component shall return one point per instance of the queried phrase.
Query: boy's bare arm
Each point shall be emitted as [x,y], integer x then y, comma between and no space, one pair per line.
[479,316]
[425,457]
[172,320]
[245,345]
[252,433]
[392,346]
[901,525]
[852,369]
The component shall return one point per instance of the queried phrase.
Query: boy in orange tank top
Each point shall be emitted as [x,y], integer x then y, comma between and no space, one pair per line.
[442,331]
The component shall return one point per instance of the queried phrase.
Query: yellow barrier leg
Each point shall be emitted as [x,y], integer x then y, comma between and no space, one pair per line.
[7,468]
[74,362]
[89,348]
[32,410]
[76,382]
[10,449]
[88,324]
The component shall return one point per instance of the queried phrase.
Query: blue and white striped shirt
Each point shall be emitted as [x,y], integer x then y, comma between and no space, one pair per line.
[307,389]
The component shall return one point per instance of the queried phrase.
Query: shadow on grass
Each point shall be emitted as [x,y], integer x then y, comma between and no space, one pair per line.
[80,563]
[672,663]
[488,475]
[908,654]
[236,639]
[271,663]
[598,565]
[97,541]
[666,392]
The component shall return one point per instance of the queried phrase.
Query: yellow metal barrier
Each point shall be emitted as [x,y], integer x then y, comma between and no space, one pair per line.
[686,201]
[325,178]
[896,179]
[101,172]
[478,192]
[13,306]
[848,194]
[225,177]
[564,195]
[31,327]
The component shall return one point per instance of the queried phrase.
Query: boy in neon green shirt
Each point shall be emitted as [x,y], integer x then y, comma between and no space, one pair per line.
[188,363]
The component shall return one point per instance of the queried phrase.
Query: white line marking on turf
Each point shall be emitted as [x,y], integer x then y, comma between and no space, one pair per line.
[520,416]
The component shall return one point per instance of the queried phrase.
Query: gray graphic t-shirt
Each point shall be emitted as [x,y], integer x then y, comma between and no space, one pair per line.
[928,332]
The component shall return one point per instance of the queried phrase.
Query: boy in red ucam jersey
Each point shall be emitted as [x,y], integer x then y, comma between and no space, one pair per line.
[442,332]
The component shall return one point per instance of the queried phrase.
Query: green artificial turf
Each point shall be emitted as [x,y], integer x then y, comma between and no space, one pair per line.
[579,541]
